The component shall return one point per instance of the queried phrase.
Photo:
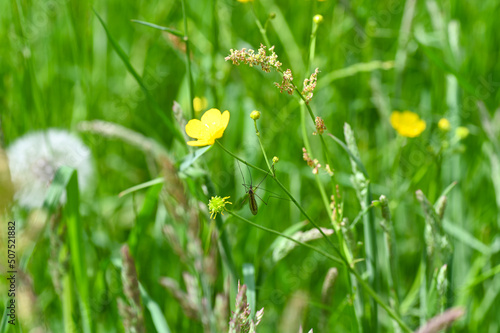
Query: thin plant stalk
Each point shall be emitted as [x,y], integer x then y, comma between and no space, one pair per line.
[361,281]
[303,105]
[262,29]
[293,200]
[262,148]
[188,59]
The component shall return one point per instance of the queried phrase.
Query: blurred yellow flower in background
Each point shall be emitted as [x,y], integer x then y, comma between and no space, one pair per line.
[407,123]
[444,124]
[462,132]
[210,127]
[199,104]
[245,1]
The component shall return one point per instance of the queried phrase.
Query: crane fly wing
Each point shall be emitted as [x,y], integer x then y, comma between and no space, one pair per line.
[252,203]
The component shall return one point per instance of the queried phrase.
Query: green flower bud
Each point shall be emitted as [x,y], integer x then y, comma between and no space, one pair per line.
[255,115]
[318,19]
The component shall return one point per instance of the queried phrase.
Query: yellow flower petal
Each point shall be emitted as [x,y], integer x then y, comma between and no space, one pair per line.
[395,119]
[211,118]
[199,143]
[195,129]
[223,124]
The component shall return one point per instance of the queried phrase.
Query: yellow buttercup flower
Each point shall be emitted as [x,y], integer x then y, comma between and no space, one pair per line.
[245,1]
[210,127]
[407,123]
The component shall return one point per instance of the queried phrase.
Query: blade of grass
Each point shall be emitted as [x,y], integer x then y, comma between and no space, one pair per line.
[465,237]
[188,59]
[153,182]
[3,325]
[249,279]
[146,216]
[358,277]
[159,27]
[165,117]
[157,316]
[352,70]
[66,180]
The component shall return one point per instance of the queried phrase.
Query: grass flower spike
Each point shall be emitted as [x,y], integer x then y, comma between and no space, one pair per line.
[217,205]
[210,127]
[407,123]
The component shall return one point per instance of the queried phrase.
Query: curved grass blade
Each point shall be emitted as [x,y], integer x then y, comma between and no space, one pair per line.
[159,27]
[166,118]
[352,70]
[157,316]
[147,184]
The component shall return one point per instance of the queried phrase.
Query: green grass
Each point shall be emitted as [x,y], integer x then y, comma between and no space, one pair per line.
[62,65]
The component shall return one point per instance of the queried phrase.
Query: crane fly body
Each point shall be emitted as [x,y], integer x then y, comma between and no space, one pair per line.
[250,190]
[252,203]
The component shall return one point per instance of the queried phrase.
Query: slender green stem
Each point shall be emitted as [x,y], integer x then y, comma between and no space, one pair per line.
[326,254]
[313,118]
[188,59]
[312,44]
[262,148]
[377,299]
[365,286]
[215,49]
[321,188]
[159,27]
[311,220]
[344,248]
[262,30]
[239,159]
[291,197]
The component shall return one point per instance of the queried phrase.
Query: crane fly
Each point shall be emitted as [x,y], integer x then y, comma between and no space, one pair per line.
[250,190]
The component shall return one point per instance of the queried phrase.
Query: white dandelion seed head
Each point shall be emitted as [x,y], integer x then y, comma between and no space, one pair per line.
[35,157]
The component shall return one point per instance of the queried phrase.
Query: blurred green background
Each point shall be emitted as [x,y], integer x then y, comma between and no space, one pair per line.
[438,59]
